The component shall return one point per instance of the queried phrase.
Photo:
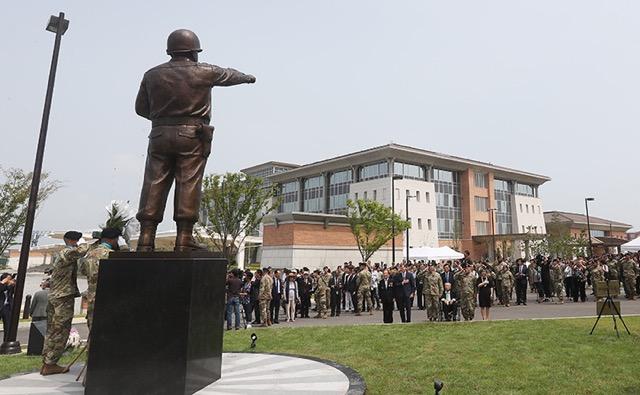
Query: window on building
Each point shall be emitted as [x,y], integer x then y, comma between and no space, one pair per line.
[523,230]
[504,217]
[409,171]
[289,197]
[429,224]
[527,208]
[427,197]
[313,194]
[375,194]
[339,185]
[524,189]
[419,223]
[481,180]
[482,228]
[482,203]
[356,195]
[417,196]
[597,233]
[376,170]
[397,193]
[521,210]
[448,206]
[365,195]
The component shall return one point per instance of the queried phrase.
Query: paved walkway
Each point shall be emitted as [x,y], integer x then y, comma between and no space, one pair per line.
[533,310]
[242,373]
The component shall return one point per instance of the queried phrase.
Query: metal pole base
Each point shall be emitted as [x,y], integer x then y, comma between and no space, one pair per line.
[10,348]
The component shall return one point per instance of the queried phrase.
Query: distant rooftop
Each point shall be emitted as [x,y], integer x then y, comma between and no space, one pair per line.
[575,218]
[269,164]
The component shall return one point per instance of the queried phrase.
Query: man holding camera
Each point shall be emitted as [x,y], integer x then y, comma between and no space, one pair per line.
[7,285]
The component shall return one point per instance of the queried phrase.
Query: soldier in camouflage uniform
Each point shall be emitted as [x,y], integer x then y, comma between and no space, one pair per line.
[320,294]
[90,264]
[432,291]
[64,290]
[613,265]
[467,290]
[557,279]
[265,295]
[629,272]
[597,275]
[363,281]
[507,285]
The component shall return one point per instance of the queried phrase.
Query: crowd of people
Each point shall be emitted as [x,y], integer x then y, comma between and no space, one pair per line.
[447,290]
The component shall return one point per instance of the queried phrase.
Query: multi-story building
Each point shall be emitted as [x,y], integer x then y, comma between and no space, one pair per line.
[463,203]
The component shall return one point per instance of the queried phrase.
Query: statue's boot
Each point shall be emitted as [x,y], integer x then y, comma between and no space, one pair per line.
[147,238]
[185,240]
[52,368]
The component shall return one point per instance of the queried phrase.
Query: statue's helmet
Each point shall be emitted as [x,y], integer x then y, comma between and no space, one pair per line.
[183,40]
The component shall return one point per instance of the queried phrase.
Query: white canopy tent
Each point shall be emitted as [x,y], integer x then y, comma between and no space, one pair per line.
[632,246]
[433,253]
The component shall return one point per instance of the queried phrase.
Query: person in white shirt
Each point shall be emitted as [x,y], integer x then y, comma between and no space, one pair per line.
[292,296]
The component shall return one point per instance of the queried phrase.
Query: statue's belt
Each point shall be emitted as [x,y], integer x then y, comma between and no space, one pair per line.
[175,121]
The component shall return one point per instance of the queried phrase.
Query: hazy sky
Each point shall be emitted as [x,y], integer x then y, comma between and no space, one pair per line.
[550,87]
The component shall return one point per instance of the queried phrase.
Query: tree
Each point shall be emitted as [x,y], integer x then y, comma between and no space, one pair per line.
[372,224]
[15,187]
[234,205]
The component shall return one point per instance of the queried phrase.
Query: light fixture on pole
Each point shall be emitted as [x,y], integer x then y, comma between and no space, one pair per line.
[57,25]
[586,206]
[407,218]
[394,177]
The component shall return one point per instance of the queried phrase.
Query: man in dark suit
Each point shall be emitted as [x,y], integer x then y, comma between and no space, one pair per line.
[276,296]
[304,285]
[254,296]
[404,284]
[7,285]
[521,275]
[447,275]
[449,301]
[385,291]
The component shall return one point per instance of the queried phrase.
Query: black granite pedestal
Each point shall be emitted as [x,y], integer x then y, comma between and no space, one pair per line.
[158,323]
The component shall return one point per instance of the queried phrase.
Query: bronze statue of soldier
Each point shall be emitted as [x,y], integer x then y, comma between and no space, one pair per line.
[176,97]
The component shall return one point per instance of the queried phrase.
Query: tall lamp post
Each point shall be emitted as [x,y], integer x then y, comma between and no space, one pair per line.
[57,25]
[393,211]
[586,206]
[407,218]
[493,232]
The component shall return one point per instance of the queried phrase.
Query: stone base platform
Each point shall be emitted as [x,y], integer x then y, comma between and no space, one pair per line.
[242,373]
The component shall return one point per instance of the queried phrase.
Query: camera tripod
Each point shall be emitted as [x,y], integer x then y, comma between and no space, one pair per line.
[613,309]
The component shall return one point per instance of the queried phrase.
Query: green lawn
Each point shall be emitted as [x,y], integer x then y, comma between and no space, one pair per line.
[21,363]
[500,357]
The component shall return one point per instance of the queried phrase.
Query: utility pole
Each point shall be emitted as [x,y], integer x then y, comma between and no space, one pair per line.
[57,25]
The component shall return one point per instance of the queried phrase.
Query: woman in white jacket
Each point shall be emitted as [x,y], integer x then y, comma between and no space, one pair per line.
[291,296]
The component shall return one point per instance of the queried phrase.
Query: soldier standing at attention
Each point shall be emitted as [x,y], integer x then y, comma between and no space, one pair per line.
[557,279]
[432,291]
[467,290]
[320,295]
[64,290]
[89,266]
[506,283]
[364,289]
[265,295]
[629,274]
[176,97]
